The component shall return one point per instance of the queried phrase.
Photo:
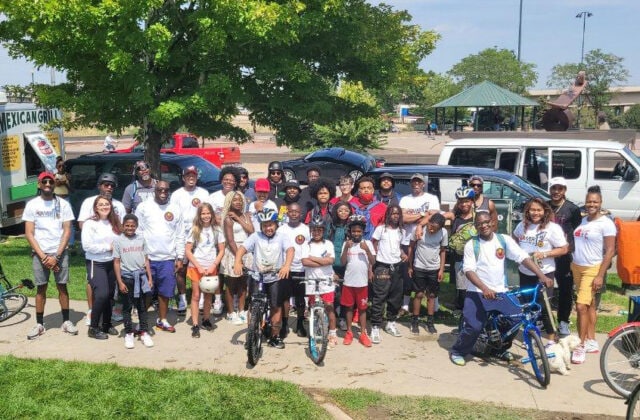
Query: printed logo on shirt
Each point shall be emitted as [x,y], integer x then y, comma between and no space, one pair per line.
[299,239]
[168,216]
[500,253]
[580,232]
[195,202]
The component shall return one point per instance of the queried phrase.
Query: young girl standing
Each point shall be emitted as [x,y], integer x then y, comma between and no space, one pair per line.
[338,235]
[204,250]
[237,228]
[387,273]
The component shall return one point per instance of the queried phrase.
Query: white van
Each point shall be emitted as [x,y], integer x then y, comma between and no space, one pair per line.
[26,151]
[609,164]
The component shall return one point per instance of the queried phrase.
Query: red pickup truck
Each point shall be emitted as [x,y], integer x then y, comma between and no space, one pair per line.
[187,144]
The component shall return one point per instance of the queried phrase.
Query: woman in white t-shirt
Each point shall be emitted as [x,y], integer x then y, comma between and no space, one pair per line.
[98,235]
[595,242]
[543,240]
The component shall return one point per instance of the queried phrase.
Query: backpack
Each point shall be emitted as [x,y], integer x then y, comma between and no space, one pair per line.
[369,228]
[503,243]
[458,240]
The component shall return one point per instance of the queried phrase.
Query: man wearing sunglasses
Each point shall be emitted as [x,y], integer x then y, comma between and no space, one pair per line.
[141,189]
[482,203]
[160,223]
[276,181]
[47,227]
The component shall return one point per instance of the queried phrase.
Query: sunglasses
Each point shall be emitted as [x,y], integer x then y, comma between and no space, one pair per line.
[244,176]
[142,168]
[47,181]
[483,224]
[276,172]
[476,185]
[108,185]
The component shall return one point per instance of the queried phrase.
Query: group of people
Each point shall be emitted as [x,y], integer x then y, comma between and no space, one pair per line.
[386,253]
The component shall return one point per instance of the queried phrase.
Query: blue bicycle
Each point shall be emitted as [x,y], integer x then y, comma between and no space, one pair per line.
[500,330]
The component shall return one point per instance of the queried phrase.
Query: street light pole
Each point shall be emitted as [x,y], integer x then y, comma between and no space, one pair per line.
[520,31]
[582,15]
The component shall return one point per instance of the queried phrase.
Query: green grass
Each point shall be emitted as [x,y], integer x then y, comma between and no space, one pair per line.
[365,404]
[74,390]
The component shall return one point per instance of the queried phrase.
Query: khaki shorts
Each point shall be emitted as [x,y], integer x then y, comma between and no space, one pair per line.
[583,279]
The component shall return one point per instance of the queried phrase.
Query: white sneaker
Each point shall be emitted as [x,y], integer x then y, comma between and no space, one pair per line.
[69,328]
[579,355]
[591,346]
[234,319]
[128,341]
[87,320]
[342,324]
[375,335]
[243,316]
[391,328]
[146,339]
[36,332]
[563,329]
[217,307]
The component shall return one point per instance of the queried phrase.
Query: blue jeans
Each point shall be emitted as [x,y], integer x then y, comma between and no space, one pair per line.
[475,315]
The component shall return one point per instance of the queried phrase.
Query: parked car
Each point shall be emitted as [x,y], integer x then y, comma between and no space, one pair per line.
[333,162]
[85,170]
[187,144]
[509,192]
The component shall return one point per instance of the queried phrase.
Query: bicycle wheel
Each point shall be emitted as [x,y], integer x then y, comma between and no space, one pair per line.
[11,304]
[254,335]
[318,334]
[633,405]
[620,359]
[538,359]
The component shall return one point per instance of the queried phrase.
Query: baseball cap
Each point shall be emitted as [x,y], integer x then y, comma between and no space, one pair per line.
[417,176]
[292,183]
[190,170]
[386,175]
[44,175]
[558,180]
[262,185]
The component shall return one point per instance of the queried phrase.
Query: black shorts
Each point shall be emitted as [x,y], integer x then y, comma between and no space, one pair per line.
[275,292]
[291,286]
[425,281]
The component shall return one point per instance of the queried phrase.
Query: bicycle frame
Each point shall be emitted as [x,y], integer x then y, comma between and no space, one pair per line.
[530,312]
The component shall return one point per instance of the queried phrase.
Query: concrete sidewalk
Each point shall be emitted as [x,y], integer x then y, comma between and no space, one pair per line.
[407,365]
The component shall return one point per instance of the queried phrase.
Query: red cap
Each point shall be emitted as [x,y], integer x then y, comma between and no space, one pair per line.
[262,184]
[44,175]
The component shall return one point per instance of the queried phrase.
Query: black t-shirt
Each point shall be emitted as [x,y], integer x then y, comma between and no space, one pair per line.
[568,217]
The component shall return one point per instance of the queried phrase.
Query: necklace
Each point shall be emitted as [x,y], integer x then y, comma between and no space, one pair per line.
[564,200]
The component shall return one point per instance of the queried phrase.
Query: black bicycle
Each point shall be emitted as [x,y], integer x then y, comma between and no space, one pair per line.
[11,303]
[258,317]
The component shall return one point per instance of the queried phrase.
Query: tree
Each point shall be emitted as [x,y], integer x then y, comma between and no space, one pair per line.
[162,65]
[632,117]
[437,88]
[498,66]
[602,72]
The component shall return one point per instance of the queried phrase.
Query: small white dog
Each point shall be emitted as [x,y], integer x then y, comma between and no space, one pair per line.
[561,362]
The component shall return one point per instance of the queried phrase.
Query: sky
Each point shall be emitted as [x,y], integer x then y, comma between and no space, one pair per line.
[551,34]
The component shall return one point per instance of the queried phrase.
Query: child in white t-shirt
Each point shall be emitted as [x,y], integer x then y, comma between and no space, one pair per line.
[358,257]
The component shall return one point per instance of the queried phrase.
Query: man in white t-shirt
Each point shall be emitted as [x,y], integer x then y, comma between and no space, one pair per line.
[187,198]
[486,283]
[160,223]
[416,207]
[47,227]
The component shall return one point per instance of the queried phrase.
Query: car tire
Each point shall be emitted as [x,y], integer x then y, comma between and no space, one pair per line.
[288,175]
[355,174]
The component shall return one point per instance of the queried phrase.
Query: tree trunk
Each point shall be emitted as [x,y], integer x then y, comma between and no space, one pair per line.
[153,140]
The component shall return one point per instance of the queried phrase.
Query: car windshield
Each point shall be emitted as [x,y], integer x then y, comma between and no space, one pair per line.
[631,156]
[524,184]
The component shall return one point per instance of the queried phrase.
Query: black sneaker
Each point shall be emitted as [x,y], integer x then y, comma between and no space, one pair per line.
[431,328]
[206,324]
[276,342]
[97,334]
[414,328]
[506,356]
[301,331]
[195,331]
[111,331]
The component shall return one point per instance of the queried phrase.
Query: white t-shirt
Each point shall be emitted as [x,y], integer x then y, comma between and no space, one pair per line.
[415,205]
[322,249]
[252,211]
[490,264]
[298,236]
[161,226]
[268,253]
[206,246]
[48,217]
[589,240]
[86,210]
[216,199]
[357,272]
[427,252]
[188,202]
[534,240]
[97,240]
[389,240]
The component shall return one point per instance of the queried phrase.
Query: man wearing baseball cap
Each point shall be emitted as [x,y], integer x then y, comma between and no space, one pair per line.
[567,215]
[386,193]
[47,227]
[187,198]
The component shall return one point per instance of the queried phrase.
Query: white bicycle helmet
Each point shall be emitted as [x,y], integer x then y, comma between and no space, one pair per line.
[267,215]
[209,284]
[465,192]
